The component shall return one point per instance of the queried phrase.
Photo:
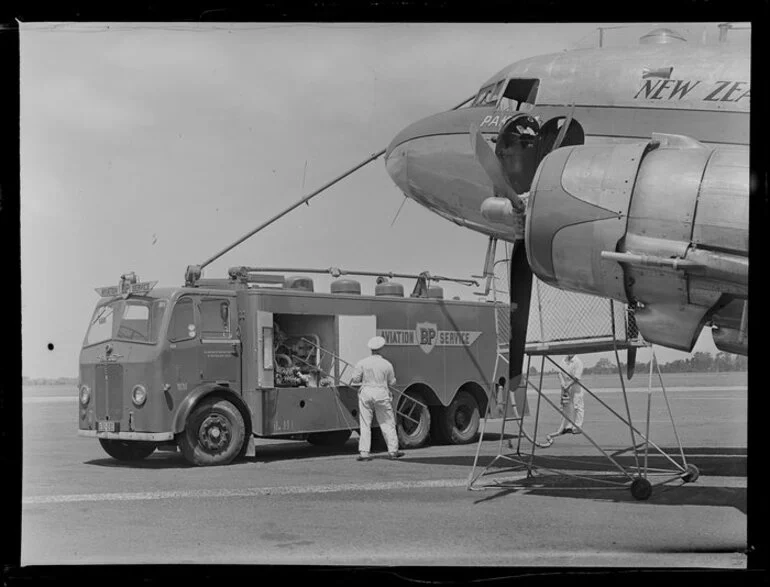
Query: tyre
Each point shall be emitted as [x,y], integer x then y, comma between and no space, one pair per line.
[641,489]
[127,450]
[214,433]
[460,421]
[412,434]
[334,438]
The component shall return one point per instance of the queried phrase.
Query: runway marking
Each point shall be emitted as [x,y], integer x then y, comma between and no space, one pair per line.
[307,489]
[49,400]
[246,492]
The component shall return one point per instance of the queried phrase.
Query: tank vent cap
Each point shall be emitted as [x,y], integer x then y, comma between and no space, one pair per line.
[389,288]
[299,282]
[346,286]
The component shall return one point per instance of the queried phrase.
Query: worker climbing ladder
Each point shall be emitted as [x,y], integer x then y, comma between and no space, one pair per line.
[406,406]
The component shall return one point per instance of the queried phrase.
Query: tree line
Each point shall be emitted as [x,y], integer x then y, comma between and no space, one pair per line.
[700,362]
[49,381]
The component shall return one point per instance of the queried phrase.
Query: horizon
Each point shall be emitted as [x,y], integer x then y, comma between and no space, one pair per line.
[639,362]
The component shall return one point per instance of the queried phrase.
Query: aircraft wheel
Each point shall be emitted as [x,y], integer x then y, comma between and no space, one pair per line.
[691,473]
[214,433]
[460,421]
[641,489]
[334,438]
[413,434]
[127,450]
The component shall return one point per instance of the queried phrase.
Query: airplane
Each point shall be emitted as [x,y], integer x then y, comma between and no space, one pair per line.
[615,172]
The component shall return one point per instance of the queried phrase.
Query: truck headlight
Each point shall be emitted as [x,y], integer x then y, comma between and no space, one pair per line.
[138,395]
[85,395]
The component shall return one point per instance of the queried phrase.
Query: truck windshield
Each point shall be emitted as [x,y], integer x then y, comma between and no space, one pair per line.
[134,320]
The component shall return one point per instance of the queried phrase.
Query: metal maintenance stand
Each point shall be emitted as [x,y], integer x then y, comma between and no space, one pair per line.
[519,466]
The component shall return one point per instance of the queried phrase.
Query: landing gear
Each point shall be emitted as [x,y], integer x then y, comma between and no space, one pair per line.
[691,473]
[641,489]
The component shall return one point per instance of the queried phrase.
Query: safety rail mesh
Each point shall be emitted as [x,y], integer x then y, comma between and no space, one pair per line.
[557,315]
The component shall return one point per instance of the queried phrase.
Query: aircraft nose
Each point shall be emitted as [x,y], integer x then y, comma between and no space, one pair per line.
[395,164]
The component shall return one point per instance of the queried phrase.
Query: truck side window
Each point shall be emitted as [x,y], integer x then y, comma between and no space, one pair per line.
[215,318]
[182,326]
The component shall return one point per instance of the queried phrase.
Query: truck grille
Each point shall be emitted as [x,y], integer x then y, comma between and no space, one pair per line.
[109,391]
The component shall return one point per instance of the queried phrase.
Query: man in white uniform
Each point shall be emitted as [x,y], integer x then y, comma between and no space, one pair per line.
[375,374]
[571,396]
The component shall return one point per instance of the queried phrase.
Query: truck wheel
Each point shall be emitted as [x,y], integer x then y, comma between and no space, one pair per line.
[127,450]
[411,434]
[460,421]
[335,438]
[214,433]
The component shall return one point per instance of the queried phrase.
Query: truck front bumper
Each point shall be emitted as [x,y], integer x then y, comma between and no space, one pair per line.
[149,436]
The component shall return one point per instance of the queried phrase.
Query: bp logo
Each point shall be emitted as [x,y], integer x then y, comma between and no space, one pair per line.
[427,333]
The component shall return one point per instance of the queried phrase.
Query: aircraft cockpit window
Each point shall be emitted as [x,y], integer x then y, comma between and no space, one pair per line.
[489,95]
[520,95]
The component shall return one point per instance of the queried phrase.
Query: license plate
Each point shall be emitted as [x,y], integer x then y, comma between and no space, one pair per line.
[106,426]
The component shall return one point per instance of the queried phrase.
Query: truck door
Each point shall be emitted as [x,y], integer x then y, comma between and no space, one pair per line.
[184,346]
[264,336]
[220,348]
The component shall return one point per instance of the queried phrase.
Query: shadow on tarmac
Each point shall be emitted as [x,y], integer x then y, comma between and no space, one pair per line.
[285,451]
[719,462]
[551,485]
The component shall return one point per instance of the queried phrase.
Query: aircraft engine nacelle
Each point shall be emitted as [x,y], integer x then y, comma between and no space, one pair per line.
[731,328]
[662,225]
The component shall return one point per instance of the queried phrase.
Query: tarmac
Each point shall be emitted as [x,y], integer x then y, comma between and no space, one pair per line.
[299,504]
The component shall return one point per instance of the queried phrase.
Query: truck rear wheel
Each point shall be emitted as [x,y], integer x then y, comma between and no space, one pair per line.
[127,450]
[214,433]
[412,434]
[334,438]
[460,421]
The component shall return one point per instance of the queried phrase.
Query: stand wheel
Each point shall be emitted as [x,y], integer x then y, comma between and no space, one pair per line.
[691,473]
[641,489]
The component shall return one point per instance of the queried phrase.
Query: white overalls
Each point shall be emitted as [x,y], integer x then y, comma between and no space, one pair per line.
[573,406]
[375,374]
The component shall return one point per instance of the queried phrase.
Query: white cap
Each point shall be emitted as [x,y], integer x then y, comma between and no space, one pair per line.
[376,343]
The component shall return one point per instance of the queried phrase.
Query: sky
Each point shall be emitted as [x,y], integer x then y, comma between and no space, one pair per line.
[150,147]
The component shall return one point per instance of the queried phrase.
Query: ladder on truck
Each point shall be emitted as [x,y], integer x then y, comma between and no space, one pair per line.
[406,406]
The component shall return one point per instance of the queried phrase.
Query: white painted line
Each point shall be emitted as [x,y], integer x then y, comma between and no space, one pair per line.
[246,492]
[315,489]
[50,400]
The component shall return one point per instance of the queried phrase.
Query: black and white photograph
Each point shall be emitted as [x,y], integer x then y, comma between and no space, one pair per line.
[385,293]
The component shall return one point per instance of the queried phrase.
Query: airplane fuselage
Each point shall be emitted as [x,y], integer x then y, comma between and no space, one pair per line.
[634,186]
[619,96]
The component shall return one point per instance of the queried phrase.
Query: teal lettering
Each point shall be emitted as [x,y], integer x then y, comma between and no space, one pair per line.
[647,87]
[721,85]
[682,88]
[662,86]
[731,92]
